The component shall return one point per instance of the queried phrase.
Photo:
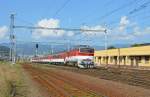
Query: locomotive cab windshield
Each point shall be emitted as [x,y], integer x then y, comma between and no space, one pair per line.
[86,50]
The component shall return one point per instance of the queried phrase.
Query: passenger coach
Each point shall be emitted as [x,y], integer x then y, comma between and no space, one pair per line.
[81,56]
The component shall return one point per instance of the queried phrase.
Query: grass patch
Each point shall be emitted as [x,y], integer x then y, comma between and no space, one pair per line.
[11,80]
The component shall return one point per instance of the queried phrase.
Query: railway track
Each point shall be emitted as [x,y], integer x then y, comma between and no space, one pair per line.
[55,91]
[60,86]
[79,85]
[135,78]
[63,83]
[132,77]
[51,87]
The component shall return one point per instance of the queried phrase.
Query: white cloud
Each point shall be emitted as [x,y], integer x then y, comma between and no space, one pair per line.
[147,30]
[141,32]
[136,31]
[49,23]
[119,32]
[3,31]
[123,23]
[53,23]
[122,36]
[70,33]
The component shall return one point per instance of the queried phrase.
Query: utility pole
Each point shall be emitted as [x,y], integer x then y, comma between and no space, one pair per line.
[105,39]
[119,57]
[12,40]
[106,58]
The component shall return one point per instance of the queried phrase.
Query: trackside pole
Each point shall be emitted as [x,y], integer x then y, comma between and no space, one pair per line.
[12,55]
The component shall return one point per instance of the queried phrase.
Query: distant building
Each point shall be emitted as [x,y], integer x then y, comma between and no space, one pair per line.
[133,56]
[4,53]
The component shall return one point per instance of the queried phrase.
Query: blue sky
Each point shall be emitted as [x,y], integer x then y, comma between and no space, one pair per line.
[123,27]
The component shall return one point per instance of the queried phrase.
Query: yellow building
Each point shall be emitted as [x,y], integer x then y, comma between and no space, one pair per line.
[133,56]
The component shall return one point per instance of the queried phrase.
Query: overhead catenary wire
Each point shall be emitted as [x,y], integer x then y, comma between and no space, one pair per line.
[132,14]
[62,7]
[60,29]
[77,32]
[129,15]
[120,8]
[106,4]
[116,10]
[141,7]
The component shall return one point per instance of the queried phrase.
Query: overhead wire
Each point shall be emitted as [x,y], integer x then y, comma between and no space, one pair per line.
[62,7]
[133,15]
[87,16]
[118,9]
[116,21]
[141,7]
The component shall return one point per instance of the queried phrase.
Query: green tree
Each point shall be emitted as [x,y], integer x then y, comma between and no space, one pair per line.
[111,47]
[136,45]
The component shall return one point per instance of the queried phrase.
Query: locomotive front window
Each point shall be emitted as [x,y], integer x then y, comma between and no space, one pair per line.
[86,50]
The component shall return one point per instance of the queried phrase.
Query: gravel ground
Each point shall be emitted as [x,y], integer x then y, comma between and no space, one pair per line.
[89,79]
[133,77]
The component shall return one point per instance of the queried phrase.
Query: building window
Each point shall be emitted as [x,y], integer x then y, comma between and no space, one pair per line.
[147,59]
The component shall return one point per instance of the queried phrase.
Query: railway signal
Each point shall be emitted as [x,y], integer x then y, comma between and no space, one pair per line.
[36,50]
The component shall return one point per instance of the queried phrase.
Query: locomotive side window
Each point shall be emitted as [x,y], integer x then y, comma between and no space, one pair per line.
[86,50]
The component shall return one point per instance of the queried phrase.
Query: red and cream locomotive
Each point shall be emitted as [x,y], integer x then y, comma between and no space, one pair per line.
[81,56]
